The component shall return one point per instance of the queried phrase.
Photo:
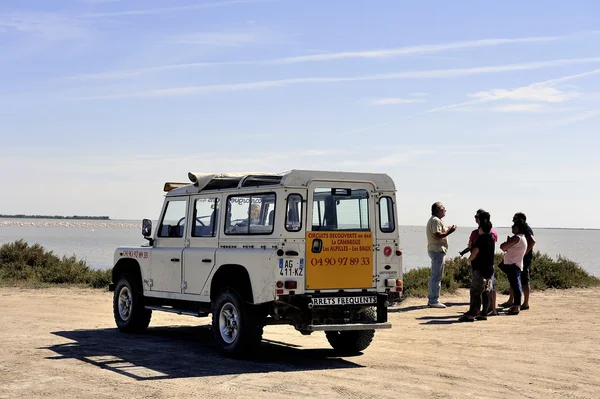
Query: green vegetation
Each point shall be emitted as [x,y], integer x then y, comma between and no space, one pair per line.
[31,265]
[546,272]
[74,217]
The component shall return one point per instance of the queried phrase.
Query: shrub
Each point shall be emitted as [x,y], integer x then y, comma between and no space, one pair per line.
[416,283]
[32,264]
[546,272]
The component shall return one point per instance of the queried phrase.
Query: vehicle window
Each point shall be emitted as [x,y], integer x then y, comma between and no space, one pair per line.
[206,214]
[250,214]
[173,223]
[293,216]
[340,209]
[386,215]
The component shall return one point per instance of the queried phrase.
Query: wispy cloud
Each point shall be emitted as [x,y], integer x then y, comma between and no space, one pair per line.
[138,72]
[170,10]
[100,1]
[394,100]
[574,119]
[431,74]
[46,26]
[536,92]
[522,107]
[411,50]
[227,39]
[396,52]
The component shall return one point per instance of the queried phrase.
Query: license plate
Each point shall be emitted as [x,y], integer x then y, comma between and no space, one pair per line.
[291,267]
[346,300]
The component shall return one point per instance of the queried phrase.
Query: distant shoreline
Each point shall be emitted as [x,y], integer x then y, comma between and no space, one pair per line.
[74,217]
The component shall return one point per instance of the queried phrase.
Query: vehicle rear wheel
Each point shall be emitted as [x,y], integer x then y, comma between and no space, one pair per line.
[236,326]
[353,341]
[128,306]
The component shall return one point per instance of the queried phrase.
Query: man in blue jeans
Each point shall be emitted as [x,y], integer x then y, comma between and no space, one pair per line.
[437,247]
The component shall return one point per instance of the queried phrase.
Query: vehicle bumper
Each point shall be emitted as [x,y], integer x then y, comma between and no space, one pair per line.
[348,327]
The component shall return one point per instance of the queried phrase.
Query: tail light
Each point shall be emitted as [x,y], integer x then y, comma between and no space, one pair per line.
[387,251]
[291,285]
[399,285]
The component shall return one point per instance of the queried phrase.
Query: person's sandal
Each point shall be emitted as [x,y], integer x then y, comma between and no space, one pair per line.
[512,312]
[506,304]
[524,307]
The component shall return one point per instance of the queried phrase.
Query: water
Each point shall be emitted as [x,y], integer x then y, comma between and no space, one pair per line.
[95,240]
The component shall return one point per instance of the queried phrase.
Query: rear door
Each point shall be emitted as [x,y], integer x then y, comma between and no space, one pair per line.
[340,234]
[199,256]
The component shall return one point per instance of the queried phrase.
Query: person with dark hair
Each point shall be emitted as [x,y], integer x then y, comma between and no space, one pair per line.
[482,215]
[514,249]
[437,247]
[527,260]
[479,216]
[482,262]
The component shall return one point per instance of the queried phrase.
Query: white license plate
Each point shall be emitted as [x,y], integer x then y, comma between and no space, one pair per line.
[291,267]
[346,300]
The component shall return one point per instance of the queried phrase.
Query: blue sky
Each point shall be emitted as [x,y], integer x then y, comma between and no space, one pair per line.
[477,104]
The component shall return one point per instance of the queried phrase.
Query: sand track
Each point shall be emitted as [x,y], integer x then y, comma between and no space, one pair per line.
[62,343]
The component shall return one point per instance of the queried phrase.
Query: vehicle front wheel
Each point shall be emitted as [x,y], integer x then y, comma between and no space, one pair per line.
[128,306]
[353,341]
[236,328]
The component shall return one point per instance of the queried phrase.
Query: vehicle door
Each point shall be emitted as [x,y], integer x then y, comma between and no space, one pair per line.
[340,236]
[166,264]
[199,256]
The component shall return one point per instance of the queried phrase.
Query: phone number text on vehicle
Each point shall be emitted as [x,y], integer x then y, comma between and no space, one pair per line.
[340,261]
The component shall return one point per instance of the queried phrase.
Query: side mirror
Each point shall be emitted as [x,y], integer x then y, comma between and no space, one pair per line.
[147,231]
[146,227]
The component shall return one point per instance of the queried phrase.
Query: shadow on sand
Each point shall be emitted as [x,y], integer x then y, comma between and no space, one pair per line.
[420,307]
[182,352]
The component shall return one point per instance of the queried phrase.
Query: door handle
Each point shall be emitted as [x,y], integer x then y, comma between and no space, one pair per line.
[206,260]
[291,253]
[174,259]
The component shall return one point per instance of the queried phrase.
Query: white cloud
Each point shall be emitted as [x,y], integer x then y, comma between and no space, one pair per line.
[410,50]
[169,10]
[574,119]
[47,26]
[431,74]
[227,39]
[394,100]
[521,107]
[100,1]
[536,92]
[402,51]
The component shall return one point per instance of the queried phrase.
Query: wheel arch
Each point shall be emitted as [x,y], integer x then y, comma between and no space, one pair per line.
[234,276]
[127,266]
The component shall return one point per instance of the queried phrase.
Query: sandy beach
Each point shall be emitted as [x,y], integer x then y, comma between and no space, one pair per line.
[62,343]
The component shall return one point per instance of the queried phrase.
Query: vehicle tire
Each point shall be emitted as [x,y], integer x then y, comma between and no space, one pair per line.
[236,326]
[353,341]
[128,306]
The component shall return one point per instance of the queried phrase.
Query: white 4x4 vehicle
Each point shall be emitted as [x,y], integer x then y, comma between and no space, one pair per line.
[317,250]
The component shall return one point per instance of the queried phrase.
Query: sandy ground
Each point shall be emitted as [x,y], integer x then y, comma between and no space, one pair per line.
[62,343]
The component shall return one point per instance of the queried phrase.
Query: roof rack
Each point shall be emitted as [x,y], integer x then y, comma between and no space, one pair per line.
[172,186]
[259,180]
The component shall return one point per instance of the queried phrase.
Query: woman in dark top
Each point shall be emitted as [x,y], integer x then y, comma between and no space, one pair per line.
[482,262]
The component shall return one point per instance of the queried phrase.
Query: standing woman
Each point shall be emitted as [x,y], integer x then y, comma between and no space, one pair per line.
[514,249]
